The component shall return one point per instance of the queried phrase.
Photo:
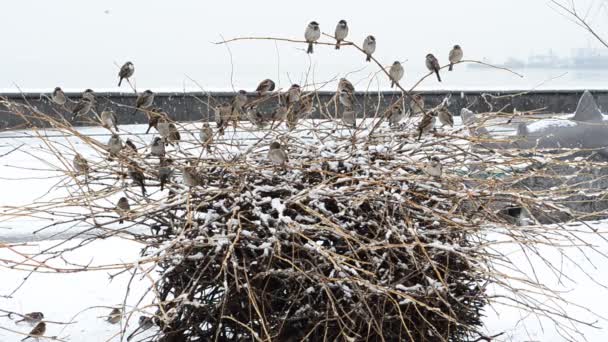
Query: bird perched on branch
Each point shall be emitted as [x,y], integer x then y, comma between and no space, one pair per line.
[238,102]
[206,136]
[265,87]
[277,154]
[80,164]
[157,148]
[191,177]
[130,146]
[58,96]
[154,116]
[109,120]
[416,104]
[126,71]
[223,113]
[30,318]
[433,167]
[445,116]
[293,95]
[345,84]
[396,114]
[144,100]
[82,107]
[426,124]
[346,99]
[37,331]
[116,313]
[369,46]
[114,145]
[341,32]
[433,65]
[122,209]
[89,94]
[138,177]
[279,114]
[164,172]
[174,136]
[455,56]
[312,34]
[396,72]
[144,323]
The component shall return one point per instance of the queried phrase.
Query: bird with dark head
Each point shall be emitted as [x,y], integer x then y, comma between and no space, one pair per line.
[369,47]
[293,94]
[89,94]
[116,313]
[341,32]
[130,146]
[144,323]
[158,147]
[164,172]
[144,100]
[154,116]
[29,318]
[126,71]
[265,87]
[37,331]
[455,56]
[122,209]
[433,167]
[82,107]
[433,65]
[58,96]
[427,123]
[277,154]
[312,34]
[136,174]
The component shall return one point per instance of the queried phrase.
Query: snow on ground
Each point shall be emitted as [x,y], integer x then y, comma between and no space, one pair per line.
[84,298]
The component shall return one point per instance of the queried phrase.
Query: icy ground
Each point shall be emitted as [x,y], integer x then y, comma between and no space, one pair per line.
[83,299]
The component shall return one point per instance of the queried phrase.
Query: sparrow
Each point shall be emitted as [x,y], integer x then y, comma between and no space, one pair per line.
[114,144]
[154,116]
[164,172]
[312,34]
[279,114]
[345,84]
[108,120]
[31,318]
[277,155]
[138,177]
[174,136]
[455,56]
[417,105]
[396,72]
[122,209]
[58,96]
[144,100]
[293,94]
[223,113]
[190,176]
[80,164]
[126,71]
[369,46]
[206,136]
[255,117]
[129,145]
[349,118]
[341,32]
[144,323]
[265,87]
[238,102]
[82,107]
[445,116]
[292,117]
[163,128]
[37,331]
[158,147]
[433,167]
[433,65]
[346,99]
[396,114]
[116,313]
[89,94]
[426,124]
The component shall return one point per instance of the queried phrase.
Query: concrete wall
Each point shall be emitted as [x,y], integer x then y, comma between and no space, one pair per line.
[192,106]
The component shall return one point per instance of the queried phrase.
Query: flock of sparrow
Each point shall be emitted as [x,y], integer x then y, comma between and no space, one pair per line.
[292,105]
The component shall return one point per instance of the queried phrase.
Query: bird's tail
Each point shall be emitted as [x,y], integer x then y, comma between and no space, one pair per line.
[369,58]
[74,116]
[162,184]
[121,221]
[392,84]
[438,77]
[120,82]
[135,111]
[148,130]
[338,45]
[419,133]
[310,49]
[451,67]
[143,189]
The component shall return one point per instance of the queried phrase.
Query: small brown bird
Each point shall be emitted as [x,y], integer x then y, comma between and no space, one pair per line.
[154,116]
[396,114]
[174,136]
[191,177]
[158,147]
[433,167]
[445,116]
[114,145]
[138,177]
[433,65]
[341,33]
[369,46]
[223,113]
[130,146]
[277,155]
[265,87]
[279,114]
[144,100]
[122,209]
[312,34]
[37,331]
[346,99]
[144,323]
[238,102]
[426,124]
[116,313]
[82,107]
[58,96]
[80,164]
[89,94]
[30,318]
[396,72]
[164,172]
[455,56]
[126,71]
[417,105]
[206,136]
[293,94]
[109,120]
[345,84]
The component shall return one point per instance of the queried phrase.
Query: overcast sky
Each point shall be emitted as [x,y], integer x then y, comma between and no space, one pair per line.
[76,44]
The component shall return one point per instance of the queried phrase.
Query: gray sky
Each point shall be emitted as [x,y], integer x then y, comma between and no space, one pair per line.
[75,44]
